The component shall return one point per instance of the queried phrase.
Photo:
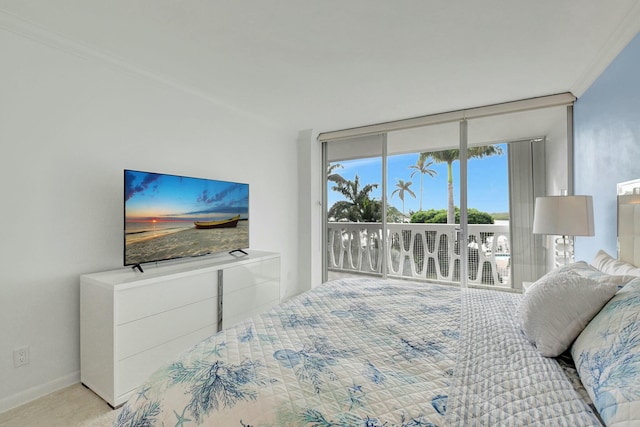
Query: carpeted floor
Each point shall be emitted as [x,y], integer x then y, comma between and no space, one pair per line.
[70,407]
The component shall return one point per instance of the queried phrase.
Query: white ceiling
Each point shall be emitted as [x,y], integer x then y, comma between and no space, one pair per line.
[334,64]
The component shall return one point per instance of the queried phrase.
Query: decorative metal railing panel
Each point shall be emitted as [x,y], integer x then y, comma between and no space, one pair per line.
[421,251]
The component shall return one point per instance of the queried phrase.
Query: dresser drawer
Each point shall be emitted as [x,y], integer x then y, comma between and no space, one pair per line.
[134,370]
[239,317]
[240,304]
[271,269]
[142,301]
[135,337]
[248,275]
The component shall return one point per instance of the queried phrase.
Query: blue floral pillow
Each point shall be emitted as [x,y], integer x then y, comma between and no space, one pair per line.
[607,357]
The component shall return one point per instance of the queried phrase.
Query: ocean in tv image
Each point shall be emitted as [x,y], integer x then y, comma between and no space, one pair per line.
[170,216]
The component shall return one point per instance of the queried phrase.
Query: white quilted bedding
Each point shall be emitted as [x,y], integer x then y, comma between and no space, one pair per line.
[360,352]
[501,380]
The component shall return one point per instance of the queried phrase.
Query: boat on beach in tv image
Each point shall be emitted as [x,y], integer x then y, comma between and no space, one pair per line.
[170,216]
[225,223]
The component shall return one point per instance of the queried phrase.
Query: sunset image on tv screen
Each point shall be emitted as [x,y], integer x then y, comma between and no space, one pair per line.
[170,216]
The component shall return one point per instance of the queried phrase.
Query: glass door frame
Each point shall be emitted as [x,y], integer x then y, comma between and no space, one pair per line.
[325,204]
[460,235]
[464,226]
[461,116]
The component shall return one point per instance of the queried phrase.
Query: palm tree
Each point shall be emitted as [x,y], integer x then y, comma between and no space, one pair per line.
[423,168]
[401,188]
[358,207]
[450,156]
[334,176]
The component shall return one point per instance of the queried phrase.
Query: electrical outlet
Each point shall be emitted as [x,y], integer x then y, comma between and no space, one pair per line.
[20,357]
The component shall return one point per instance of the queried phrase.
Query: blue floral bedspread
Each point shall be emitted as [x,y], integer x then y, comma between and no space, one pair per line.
[353,352]
[365,352]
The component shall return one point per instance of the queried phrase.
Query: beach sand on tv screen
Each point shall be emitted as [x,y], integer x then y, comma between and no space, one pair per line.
[188,243]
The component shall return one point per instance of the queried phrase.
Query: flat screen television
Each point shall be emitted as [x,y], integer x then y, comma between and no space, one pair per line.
[170,216]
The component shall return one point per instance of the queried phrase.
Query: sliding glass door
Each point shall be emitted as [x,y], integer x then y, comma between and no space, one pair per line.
[457,196]
[488,214]
[354,199]
[513,158]
[416,175]
[423,173]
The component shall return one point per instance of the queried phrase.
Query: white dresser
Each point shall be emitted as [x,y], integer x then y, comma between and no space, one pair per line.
[132,323]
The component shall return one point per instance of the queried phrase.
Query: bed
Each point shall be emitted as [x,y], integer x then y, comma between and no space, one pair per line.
[373,352]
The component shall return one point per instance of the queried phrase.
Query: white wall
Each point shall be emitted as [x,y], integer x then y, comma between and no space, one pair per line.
[69,124]
[556,153]
[556,157]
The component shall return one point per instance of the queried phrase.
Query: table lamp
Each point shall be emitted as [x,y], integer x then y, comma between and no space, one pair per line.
[565,216]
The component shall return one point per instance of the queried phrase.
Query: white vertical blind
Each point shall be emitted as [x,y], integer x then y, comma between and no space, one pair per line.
[526,182]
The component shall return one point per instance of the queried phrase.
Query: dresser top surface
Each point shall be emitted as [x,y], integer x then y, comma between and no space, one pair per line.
[152,272]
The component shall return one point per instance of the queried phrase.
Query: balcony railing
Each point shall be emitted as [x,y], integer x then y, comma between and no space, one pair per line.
[421,251]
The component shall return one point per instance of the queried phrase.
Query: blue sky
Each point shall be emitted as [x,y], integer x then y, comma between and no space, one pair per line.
[150,196]
[488,187]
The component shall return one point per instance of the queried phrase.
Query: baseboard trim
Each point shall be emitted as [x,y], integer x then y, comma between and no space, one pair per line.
[38,391]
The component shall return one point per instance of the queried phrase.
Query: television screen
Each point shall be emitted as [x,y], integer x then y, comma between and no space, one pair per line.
[169,216]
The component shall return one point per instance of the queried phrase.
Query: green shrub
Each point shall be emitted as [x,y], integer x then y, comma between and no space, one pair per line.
[439,216]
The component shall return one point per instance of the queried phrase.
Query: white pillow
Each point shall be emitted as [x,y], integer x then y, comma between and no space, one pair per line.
[607,264]
[556,308]
[589,271]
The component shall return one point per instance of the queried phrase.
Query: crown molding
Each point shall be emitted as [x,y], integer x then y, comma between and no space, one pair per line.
[29,30]
[629,27]
[36,33]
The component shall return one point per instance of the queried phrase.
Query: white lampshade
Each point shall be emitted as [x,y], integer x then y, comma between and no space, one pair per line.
[564,215]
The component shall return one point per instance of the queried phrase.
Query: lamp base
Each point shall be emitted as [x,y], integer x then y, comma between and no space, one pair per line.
[563,251]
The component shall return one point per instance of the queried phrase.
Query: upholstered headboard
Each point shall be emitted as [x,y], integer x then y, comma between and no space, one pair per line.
[629,221]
